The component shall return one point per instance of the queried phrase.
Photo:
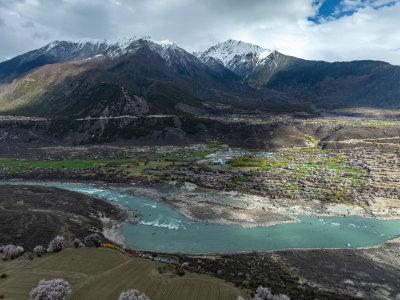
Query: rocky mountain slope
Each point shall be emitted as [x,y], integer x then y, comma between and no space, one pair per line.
[64,51]
[74,80]
[140,76]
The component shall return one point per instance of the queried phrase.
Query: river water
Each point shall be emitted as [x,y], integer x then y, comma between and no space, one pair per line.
[164,230]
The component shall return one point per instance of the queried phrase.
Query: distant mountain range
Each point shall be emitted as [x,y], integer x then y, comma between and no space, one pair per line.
[140,76]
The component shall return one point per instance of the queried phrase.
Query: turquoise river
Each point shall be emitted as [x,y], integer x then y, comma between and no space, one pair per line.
[163,229]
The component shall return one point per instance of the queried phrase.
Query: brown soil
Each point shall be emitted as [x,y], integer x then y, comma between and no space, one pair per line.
[365,273]
[34,215]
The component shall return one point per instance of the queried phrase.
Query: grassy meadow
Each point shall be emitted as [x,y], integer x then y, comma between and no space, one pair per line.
[99,273]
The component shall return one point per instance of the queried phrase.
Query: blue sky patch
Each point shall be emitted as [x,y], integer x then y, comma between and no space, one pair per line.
[335,9]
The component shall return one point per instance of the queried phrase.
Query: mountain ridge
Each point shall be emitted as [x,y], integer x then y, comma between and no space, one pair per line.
[67,79]
[63,51]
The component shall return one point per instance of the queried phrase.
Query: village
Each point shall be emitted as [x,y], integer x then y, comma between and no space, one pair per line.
[349,177]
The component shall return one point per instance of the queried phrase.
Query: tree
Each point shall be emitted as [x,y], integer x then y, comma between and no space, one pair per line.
[93,240]
[54,289]
[12,251]
[56,244]
[78,243]
[263,293]
[133,295]
[39,250]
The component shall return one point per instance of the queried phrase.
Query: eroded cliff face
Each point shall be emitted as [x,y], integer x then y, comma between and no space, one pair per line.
[129,105]
[174,130]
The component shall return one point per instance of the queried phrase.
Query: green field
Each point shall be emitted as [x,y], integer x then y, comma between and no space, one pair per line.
[104,273]
[127,166]
[15,165]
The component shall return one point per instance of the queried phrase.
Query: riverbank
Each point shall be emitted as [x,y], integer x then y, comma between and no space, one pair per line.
[248,191]
[159,225]
[234,208]
[34,215]
[361,273]
[225,208]
[112,228]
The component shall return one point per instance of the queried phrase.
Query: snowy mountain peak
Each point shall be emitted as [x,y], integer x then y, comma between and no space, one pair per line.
[73,50]
[230,49]
[165,43]
[122,42]
[240,57]
[62,51]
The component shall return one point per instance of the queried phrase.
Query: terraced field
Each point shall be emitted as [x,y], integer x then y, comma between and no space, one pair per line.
[104,274]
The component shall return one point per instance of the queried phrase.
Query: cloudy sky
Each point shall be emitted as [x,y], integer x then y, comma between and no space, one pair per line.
[313,29]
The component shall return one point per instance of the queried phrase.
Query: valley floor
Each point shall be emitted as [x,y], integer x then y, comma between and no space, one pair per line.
[214,183]
[355,170]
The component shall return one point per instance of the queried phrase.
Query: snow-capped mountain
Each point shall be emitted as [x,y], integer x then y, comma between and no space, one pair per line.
[122,73]
[62,74]
[239,57]
[63,51]
[71,50]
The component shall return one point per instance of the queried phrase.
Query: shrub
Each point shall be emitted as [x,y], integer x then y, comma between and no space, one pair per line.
[3,275]
[39,250]
[78,243]
[247,160]
[12,251]
[337,196]
[201,165]
[311,138]
[54,289]
[133,295]
[56,244]
[240,179]
[180,272]
[93,240]
[214,144]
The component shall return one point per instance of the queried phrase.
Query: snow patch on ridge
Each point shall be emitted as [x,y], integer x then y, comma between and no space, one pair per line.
[236,55]
[88,48]
[232,49]
[240,57]
[165,43]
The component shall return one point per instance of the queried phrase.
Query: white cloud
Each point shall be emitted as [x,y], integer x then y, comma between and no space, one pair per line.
[367,34]
[195,25]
